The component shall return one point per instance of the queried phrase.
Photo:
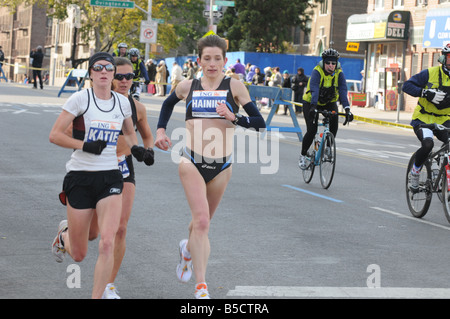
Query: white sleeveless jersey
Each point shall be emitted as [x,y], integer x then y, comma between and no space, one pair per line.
[96,119]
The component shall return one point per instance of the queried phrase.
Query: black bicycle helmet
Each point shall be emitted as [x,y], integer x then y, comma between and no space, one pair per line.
[330,53]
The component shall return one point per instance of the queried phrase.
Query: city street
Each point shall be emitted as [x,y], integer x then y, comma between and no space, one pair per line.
[273,235]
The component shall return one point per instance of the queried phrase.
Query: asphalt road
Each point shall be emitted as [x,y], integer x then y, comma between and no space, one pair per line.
[273,236]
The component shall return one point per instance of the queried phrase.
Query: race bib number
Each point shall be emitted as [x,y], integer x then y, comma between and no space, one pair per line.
[204,103]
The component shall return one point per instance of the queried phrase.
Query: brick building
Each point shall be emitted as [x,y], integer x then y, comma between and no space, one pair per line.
[327,28]
[400,38]
[20,32]
[28,27]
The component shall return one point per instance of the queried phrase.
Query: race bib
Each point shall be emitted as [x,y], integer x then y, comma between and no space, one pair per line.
[123,166]
[204,103]
[105,131]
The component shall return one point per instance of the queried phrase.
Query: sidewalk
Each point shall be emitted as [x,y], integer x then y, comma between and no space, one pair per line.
[24,93]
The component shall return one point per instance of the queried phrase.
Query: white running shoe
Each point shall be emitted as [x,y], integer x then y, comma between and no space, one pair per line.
[184,268]
[304,162]
[201,291]
[414,182]
[58,249]
[110,292]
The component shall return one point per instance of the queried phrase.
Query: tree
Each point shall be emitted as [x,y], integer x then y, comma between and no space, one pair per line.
[263,25]
[110,26]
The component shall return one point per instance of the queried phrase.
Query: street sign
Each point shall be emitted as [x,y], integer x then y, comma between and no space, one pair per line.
[158,20]
[225,3]
[113,4]
[149,31]
[216,14]
[353,46]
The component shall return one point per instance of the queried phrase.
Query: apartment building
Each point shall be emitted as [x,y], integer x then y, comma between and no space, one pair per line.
[327,28]
[28,27]
[21,31]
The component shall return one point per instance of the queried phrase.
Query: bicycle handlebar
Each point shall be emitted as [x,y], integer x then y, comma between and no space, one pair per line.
[327,114]
[435,127]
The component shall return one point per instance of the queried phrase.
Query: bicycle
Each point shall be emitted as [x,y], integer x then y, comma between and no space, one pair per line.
[322,151]
[434,178]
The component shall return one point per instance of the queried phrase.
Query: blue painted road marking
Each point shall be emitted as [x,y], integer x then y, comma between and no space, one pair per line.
[313,194]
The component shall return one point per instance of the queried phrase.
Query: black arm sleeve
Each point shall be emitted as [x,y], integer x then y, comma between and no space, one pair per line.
[254,118]
[167,109]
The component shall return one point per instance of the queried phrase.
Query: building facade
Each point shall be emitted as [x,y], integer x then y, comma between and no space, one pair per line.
[400,38]
[21,31]
[327,28]
[30,26]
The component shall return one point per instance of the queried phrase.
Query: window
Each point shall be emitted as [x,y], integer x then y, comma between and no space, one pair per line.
[424,61]
[324,7]
[296,35]
[307,34]
[414,61]
[421,2]
[398,3]
[379,4]
[435,61]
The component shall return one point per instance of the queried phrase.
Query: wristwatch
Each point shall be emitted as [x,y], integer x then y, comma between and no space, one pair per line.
[238,117]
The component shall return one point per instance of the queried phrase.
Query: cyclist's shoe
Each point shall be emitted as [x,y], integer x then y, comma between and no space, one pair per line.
[184,268]
[201,291]
[58,249]
[414,182]
[304,162]
[110,292]
[327,154]
[136,97]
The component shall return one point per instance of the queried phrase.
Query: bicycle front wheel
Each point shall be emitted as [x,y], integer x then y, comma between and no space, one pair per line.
[445,196]
[327,160]
[419,201]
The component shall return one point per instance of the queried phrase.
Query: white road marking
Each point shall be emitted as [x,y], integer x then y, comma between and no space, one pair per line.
[338,292]
[411,218]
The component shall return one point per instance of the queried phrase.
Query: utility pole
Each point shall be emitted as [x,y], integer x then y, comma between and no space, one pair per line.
[211,17]
[149,19]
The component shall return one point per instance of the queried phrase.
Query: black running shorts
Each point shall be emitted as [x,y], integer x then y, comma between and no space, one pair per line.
[85,189]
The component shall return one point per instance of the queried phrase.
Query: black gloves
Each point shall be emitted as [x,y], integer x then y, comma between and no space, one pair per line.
[149,157]
[434,96]
[312,111]
[142,154]
[95,147]
[147,82]
[348,115]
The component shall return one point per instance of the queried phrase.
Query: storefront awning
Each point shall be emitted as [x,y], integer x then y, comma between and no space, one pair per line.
[437,28]
[378,26]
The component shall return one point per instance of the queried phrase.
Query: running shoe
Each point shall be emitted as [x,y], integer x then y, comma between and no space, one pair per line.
[184,268]
[201,291]
[110,292]
[58,249]
[303,162]
[414,182]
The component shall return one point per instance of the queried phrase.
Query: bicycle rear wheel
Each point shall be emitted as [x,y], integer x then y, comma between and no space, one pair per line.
[309,171]
[327,160]
[419,202]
